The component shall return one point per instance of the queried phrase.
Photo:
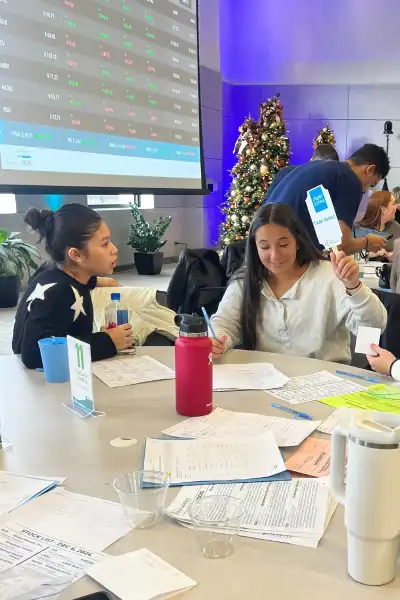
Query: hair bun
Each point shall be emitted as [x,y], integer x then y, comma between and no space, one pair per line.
[41,221]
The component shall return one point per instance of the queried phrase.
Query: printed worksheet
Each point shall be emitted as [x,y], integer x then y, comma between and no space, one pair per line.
[309,388]
[74,518]
[223,423]
[21,546]
[252,376]
[208,460]
[119,372]
[292,508]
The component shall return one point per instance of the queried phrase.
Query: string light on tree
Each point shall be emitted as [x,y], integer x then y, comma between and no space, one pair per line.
[262,148]
[324,136]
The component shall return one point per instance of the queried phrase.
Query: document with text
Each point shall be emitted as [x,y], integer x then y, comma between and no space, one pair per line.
[309,388]
[211,460]
[223,423]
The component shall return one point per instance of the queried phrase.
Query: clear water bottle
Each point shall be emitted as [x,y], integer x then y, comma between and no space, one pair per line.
[115,313]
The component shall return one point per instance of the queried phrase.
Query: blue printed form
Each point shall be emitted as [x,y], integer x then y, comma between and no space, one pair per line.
[323,217]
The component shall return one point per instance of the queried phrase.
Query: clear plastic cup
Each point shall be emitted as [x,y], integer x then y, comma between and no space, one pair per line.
[142,495]
[217,520]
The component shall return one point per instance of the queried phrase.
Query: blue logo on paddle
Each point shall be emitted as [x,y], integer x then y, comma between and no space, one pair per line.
[318,199]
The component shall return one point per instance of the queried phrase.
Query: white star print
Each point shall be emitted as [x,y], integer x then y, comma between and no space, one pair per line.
[38,293]
[77,306]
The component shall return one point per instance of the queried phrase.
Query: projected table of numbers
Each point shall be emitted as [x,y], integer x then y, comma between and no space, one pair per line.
[114,78]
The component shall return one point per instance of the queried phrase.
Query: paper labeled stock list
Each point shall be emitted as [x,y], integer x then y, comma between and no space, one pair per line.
[212,460]
[225,423]
[27,548]
[296,511]
[140,575]
[309,388]
[132,370]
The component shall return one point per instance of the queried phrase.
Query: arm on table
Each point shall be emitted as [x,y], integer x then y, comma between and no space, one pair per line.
[351,245]
[54,317]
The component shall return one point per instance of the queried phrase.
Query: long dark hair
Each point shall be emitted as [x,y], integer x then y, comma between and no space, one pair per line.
[254,273]
[71,226]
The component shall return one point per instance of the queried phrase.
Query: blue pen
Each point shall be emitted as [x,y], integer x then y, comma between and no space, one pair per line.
[356,376]
[293,412]
[207,318]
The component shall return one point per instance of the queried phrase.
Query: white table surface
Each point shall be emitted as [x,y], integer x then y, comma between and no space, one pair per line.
[50,440]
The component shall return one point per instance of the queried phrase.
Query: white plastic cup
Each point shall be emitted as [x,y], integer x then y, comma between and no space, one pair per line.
[142,495]
[217,520]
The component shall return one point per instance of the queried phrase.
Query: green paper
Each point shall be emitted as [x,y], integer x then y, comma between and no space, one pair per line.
[386,399]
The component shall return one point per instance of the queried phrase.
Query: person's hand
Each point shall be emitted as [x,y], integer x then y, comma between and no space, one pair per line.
[383,361]
[107,282]
[218,347]
[375,242]
[121,336]
[346,269]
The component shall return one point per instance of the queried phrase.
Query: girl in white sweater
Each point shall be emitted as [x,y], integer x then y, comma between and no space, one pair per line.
[290,300]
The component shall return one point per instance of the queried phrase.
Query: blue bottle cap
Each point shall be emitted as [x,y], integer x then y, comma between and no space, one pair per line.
[115,296]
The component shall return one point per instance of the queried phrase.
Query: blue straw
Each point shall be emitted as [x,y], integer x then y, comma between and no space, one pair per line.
[207,318]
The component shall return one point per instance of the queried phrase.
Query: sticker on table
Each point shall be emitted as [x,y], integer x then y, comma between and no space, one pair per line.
[323,217]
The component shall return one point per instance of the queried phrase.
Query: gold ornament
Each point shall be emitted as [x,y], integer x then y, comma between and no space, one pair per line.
[263,169]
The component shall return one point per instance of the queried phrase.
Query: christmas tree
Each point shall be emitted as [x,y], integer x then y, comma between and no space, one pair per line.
[262,148]
[324,136]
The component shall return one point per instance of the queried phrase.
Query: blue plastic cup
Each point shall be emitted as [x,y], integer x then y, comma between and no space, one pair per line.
[54,354]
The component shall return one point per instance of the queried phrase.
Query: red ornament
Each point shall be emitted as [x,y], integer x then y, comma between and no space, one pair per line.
[242,158]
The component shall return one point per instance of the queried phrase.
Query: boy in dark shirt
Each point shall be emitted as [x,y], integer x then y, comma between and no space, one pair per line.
[346,183]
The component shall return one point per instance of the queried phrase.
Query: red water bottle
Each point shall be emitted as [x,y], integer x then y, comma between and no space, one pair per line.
[193,367]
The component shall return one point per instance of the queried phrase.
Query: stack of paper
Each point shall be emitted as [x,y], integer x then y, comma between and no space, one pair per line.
[15,490]
[293,512]
[308,388]
[140,575]
[119,372]
[225,423]
[254,376]
[215,460]
[76,519]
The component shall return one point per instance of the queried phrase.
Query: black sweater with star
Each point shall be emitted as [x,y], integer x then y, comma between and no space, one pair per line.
[56,304]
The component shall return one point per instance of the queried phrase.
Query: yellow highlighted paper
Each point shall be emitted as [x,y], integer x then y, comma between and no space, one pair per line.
[379,397]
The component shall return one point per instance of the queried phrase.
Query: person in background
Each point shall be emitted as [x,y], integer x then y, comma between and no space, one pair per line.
[380,216]
[396,193]
[395,270]
[290,300]
[321,152]
[57,301]
[384,362]
[346,183]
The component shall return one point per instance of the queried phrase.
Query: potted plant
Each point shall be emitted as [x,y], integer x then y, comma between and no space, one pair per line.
[146,240]
[16,257]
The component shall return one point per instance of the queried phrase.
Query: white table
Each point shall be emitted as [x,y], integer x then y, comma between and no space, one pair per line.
[50,440]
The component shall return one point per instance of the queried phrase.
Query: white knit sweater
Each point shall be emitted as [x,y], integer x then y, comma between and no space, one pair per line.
[311,319]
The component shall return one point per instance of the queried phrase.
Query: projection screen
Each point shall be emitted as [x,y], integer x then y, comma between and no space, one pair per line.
[100,95]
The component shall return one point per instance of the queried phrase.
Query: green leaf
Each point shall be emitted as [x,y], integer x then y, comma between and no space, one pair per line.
[144,236]
[16,256]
